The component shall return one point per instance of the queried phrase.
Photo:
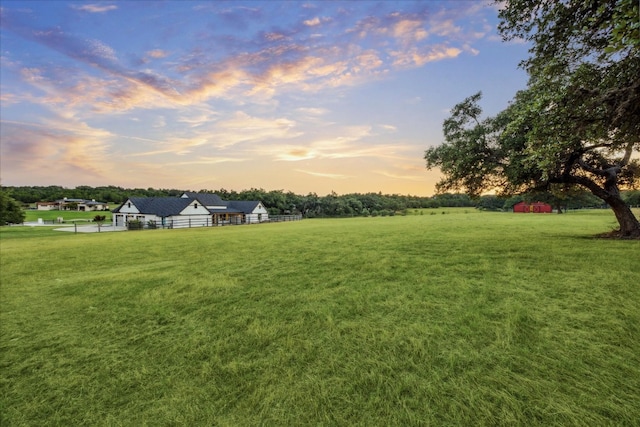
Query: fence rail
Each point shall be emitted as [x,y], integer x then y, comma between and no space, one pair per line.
[282,218]
[202,222]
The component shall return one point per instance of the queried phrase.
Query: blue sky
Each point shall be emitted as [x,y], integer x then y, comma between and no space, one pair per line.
[299,96]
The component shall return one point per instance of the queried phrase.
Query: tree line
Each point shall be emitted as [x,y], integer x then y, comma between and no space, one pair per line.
[311,205]
[278,202]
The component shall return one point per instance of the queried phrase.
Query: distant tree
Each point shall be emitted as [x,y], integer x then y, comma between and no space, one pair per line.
[632,198]
[511,202]
[490,203]
[99,219]
[10,210]
[277,202]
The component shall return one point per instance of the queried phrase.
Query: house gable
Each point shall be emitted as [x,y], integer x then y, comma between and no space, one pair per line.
[128,207]
[248,207]
[210,200]
[195,207]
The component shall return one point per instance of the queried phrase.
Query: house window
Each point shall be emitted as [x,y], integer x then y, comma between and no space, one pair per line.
[195,205]
[129,204]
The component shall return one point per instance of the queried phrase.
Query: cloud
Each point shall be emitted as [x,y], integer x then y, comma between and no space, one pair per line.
[242,128]
[352,142]
[54,147]
[312,22]
[417,57]
[216,84]
[204,136]
[97,49]
[290,153]
[210,161]
[100,55]
[313,111]
[94,8]
[8,99]
[315,21]
[198,119]
[444,27]
[409,30]
[303,74]
[323,174]
[255,70]
[68,93]
[157,54]
[91,52]
[369,60]
[419,177]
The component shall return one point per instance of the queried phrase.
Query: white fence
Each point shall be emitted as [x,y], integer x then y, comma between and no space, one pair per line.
[282,218]
[203,222]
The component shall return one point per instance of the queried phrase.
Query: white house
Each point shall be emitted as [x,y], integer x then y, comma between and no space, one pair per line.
[189,210]
[65,204]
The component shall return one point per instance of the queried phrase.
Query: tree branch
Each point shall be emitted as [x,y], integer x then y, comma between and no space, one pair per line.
[591,169]
[627,155]
[594,147]
[591,185]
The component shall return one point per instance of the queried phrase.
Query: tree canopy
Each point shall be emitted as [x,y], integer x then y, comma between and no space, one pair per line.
[10,210]
[576,123]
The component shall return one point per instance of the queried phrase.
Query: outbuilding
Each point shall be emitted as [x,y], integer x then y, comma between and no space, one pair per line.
[532,207]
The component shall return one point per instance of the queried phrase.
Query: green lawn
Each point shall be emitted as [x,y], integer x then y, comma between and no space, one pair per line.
[464,318]
[33,215]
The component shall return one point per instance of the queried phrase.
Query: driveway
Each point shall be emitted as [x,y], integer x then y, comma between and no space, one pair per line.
[90,228]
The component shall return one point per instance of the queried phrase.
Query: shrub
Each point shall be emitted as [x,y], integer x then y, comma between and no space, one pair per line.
[135,224]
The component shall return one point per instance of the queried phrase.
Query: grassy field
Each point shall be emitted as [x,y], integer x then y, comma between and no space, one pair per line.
[33,215]
[464,318]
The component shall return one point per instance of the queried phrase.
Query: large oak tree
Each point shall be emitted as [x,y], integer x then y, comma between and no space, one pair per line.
[578,121]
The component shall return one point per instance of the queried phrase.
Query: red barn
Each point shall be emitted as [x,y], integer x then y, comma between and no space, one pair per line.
[535,207]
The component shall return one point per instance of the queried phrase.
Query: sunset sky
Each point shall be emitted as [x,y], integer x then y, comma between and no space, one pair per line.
[301,96]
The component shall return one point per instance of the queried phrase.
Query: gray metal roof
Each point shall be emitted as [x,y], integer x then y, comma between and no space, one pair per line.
[159,206]
[207,199]
[169,206]
[224,211]
[244,206]
[233,206]
[83,201]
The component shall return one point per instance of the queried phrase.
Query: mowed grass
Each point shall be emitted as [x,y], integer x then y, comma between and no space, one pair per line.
[463,318]
[34,215]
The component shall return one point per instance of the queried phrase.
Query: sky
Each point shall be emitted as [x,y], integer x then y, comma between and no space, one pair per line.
[300,96]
